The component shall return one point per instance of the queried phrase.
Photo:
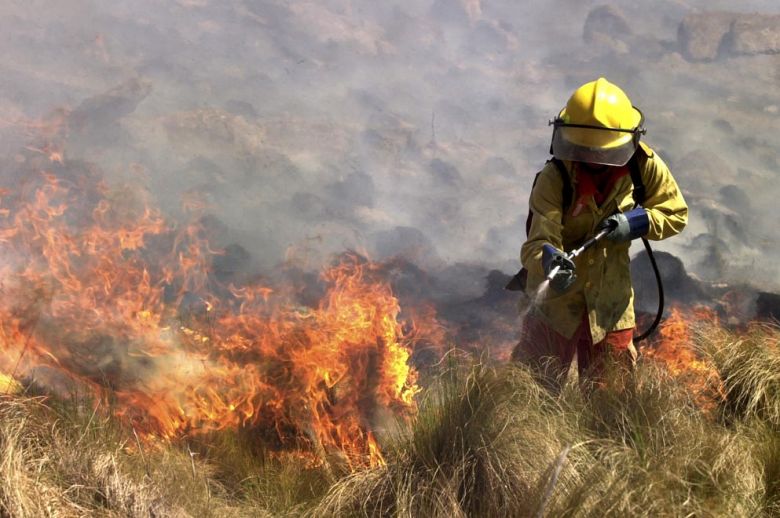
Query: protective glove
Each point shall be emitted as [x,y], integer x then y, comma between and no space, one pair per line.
[565,276]
[626,226]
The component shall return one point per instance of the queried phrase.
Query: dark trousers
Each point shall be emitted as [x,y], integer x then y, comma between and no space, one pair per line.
[549,354]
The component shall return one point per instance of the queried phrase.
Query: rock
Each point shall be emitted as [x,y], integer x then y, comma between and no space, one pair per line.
[607,26]
[233,260]
[449,11]
[703,171]
[310,207]
[707,35]
[409,243]
[768,306]
[357,189]
[701,35]
[463,281]
[488,38]
[238,107]
[722,221]
[724,126]
[213,129]
[495,291]
[410,283]
[755,34]
[710,256]
[445,173]
[500,166]
[678,285]
[102,110]
[736,199]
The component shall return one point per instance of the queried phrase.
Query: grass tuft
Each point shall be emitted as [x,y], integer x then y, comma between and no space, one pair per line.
[749,365]
[488,442]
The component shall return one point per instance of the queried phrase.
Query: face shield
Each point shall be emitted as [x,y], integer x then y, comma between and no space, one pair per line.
[594,144]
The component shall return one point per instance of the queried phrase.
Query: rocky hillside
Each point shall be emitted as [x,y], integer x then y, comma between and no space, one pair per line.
[406,127]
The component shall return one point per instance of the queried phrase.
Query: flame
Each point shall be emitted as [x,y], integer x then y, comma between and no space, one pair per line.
[102,293]
[8,385]
[674,349]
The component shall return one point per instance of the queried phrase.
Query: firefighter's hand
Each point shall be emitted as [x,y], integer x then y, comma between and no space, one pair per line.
[555,263]
[626,226]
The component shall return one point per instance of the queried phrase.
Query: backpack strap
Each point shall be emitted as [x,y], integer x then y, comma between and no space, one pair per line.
[567,191]
[636,178]
[530,217]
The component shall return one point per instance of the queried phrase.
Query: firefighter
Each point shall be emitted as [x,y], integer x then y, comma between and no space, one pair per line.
[600,174]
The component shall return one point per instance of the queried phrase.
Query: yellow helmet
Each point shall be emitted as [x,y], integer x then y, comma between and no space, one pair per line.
[598,125]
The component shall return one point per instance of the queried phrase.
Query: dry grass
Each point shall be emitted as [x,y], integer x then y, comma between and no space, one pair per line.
[488,441]
[56,460]
[749,364]
[471,451]
[64,459]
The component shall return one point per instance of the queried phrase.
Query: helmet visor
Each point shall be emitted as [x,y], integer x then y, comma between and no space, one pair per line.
[593,144]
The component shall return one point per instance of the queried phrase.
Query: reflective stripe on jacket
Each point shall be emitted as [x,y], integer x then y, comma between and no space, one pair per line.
[603,285]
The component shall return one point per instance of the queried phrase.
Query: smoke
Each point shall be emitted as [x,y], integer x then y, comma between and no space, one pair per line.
[305,128]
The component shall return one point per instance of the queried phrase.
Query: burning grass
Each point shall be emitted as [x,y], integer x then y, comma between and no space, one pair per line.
[102,294]
[487,441]
[171,389]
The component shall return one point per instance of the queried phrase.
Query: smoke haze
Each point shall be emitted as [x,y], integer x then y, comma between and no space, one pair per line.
[411,128]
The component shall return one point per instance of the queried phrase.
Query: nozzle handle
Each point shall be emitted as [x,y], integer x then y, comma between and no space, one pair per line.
[590,242]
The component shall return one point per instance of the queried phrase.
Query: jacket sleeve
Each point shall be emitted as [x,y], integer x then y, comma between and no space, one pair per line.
[666,208]
[546,227]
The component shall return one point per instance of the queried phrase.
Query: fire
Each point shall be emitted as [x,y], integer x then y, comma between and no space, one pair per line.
[101,292]
[674,349]
[8,385]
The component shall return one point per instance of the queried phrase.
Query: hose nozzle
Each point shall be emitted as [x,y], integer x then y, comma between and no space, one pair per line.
[553,272]
[561,260]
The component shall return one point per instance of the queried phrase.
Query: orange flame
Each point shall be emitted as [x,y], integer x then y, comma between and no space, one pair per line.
[101,292]
[674,349]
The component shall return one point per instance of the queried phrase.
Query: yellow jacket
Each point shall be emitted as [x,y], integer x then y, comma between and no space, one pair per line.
[603,286]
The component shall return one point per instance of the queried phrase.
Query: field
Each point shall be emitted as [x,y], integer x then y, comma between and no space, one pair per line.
[487,441]
[253,257]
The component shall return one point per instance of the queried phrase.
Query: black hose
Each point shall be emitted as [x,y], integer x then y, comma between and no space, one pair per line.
[660,283]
